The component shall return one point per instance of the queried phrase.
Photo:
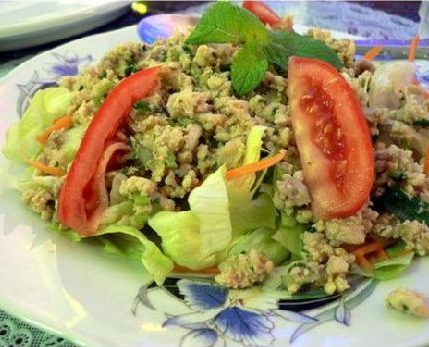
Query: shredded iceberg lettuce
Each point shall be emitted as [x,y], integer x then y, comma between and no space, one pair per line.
[47,105]
[181,238]
[289,235]
[134,244]
[192,238]
[388,269]
[210,206]
[248,214]
[260,240]
[252,154]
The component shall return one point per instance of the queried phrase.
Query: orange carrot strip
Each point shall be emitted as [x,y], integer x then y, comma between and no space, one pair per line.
[363,263]
[54,171]
[413,48]
[60,123]
[382,255]
[369,248]
[426,163]
[372,53]
[350,248]
[402,253]
[255,167]
[210,270]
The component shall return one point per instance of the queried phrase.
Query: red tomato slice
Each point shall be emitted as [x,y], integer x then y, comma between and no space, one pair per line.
[332,136]
[81,201]
[263,12]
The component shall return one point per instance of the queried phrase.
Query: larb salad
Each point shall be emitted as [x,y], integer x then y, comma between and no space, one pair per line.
[243,151]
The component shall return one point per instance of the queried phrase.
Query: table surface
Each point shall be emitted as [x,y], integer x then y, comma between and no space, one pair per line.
[371,19]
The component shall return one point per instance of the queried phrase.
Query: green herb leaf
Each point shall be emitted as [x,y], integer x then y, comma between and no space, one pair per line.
[143,107]
[397,202]
[248,68]
[396,250]
[424,123]
[285,43]
[170,161]
[277,55]
[398,175]
[140,153]
[224,23]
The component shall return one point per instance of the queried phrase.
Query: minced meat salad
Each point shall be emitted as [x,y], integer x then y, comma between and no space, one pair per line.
[244,153]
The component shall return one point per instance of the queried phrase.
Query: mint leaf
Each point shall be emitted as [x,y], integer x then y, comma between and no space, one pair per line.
[277,55]
[285,43]
[248,68]
[226,23]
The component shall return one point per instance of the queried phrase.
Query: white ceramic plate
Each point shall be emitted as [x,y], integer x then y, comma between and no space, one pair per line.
[79,291]
[30,23]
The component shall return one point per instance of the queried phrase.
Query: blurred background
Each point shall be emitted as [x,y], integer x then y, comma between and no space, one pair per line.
[31,27]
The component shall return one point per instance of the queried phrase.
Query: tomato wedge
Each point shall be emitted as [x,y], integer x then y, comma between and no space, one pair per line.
[82,201]
[263,12]
[332,136]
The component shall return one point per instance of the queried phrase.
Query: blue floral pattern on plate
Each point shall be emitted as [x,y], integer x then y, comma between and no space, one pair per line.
[218,316]
[64,65]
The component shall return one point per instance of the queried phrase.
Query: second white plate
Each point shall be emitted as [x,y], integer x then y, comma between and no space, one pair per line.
[31,23]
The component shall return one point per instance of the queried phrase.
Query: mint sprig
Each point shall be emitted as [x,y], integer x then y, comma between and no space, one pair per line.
[287,43]
[227,23]
[248,68]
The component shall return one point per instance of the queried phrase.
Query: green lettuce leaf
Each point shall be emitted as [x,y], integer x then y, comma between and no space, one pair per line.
[47,105]
[384,270]
[252,154]
[115,212]
[394,267]
[50,183]
[209,204]
[181,238]
[247,213]
[219,211]
[289,235]
[260,240]
[129,212]
[72,138]
[193,238]
[132,243]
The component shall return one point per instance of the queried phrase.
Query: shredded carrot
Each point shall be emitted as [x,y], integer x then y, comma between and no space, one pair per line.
[208,271]
[60,123]
[350,248]
[255,167]
[376,247]
[369,248]
[54,171]
[382,255]
[426,163]
[413,48]
[403,252]
[363,263]
[372,53]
